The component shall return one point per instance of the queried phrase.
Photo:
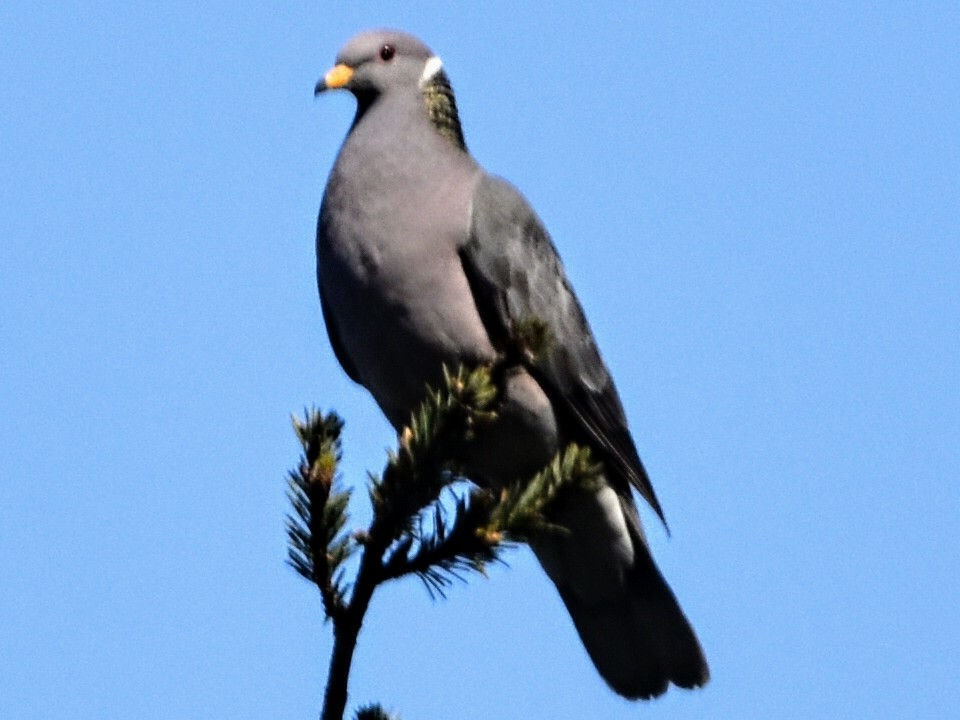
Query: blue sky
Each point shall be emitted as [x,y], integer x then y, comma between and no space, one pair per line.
[760,210]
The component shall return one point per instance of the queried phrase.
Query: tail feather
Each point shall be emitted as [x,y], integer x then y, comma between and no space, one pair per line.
[625,613]
[640,642]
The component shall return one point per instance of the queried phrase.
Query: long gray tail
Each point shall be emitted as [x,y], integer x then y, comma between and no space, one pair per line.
[626,615]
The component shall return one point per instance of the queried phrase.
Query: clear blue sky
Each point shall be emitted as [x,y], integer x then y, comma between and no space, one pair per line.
[760,209]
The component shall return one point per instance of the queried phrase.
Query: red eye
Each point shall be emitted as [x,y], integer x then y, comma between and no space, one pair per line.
[387,52]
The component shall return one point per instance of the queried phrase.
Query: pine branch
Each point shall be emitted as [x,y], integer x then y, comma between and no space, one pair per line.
[425,461]
[448,549]
[523,510]
[374,712]
[317,546]
[483,524]
[411,532]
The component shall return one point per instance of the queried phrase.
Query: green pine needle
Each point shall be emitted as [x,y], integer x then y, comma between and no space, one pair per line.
[523,510]
[374,712]
[317,546]
[446,545]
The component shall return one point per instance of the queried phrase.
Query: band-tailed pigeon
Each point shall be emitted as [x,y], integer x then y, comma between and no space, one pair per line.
[423,259]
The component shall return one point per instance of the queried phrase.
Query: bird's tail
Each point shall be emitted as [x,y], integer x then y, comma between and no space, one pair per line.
[626,615]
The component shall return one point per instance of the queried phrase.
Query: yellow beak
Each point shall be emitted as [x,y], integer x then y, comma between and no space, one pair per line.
[337,78]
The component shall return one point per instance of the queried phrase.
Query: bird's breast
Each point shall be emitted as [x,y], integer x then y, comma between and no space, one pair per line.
[388,266]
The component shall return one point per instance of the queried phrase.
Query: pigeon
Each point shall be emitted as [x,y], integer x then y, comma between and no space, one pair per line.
[425,260]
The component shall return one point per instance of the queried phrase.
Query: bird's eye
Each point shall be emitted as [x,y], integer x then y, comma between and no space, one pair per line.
[387,52]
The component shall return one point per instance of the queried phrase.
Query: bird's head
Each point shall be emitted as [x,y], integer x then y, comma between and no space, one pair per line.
[376,63]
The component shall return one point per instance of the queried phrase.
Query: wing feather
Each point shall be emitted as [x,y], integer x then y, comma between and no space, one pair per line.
[516,276]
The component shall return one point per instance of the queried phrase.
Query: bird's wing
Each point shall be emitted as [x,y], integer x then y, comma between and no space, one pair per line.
[517,278]
[336,343]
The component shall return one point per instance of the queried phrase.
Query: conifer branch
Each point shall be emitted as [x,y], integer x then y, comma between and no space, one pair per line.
[373,712]
[449,548]
[523,509]
[317,545]
[412,533]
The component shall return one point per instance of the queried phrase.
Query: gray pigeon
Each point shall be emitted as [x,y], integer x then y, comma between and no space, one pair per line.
[423,259]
